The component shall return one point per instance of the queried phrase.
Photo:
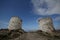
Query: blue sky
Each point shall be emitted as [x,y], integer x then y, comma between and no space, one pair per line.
[28,11]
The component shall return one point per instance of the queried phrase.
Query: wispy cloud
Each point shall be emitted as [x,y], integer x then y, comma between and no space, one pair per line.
[56,22]
[57,18]
[46,7]
[3,24]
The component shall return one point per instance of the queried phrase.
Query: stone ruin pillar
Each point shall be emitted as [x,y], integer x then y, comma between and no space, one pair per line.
[15,26]
[15,23]
[46,25]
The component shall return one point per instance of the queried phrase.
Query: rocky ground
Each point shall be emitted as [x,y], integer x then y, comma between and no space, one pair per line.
[5,34]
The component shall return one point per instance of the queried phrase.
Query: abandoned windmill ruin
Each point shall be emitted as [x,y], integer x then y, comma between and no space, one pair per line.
[15,23]
[46,25]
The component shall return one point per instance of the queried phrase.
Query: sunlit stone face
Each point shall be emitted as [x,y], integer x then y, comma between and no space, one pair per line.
[46,24]
[14,23]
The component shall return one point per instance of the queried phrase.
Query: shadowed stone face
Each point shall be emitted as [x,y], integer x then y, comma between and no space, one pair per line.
[14,23]
[46,24]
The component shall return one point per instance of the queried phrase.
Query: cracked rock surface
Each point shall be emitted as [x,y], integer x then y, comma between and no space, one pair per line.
[5,34]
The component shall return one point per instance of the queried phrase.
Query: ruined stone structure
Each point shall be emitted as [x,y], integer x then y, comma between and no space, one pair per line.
[15,23]
[46,24]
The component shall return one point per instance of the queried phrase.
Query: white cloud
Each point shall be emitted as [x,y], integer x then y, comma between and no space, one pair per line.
[46,7]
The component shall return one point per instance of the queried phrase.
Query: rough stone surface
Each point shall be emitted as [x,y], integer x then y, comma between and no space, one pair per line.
[46,24]
[22,35]
[15,23]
